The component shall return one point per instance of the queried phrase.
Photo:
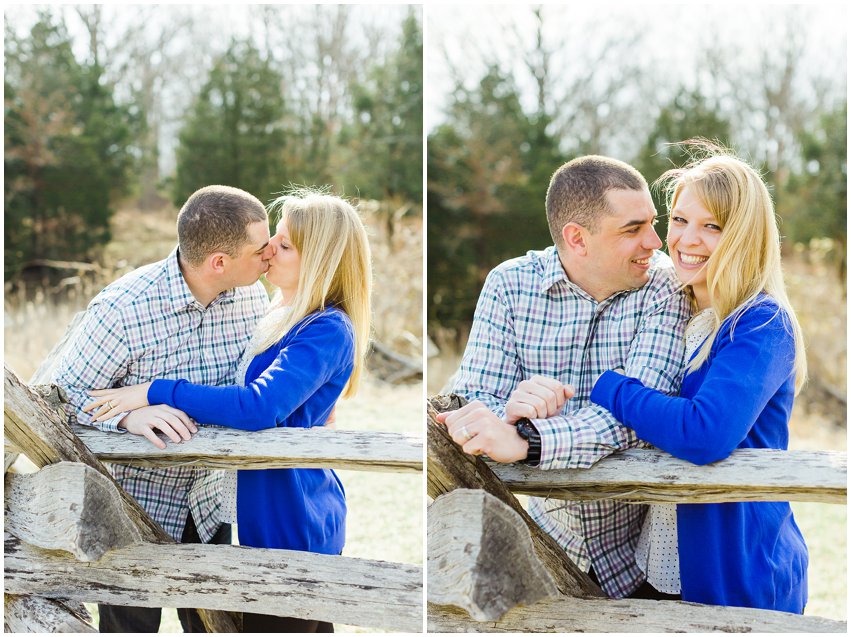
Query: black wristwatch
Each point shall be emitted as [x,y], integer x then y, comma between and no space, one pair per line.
[529,433]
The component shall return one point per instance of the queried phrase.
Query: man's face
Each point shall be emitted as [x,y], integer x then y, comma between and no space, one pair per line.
[618,254]
[253,261]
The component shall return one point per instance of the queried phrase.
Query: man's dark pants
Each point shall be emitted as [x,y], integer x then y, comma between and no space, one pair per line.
[645,591]
[138,619]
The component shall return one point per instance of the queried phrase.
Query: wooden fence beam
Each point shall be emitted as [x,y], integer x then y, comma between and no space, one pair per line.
[450,468]
[572,615]
[222,448]
[25,614]
[271,581]
[480,556]
[40,431]
[650,475]
[45,370]
[68,506]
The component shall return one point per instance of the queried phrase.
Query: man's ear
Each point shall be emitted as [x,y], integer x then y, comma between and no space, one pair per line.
[573,237]
[217,262]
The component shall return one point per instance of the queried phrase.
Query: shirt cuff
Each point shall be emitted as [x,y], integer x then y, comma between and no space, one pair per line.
[555,438]
[111,425]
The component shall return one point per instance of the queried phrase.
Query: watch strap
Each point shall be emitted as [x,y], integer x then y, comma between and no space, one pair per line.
[527,430]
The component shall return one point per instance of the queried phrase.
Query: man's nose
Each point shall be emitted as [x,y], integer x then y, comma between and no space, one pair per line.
[652,240]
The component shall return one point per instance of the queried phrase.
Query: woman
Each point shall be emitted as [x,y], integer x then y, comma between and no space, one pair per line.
[307,352]
[746,365]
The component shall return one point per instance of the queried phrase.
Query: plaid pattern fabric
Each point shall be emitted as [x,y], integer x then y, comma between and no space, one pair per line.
[148,325]
[530,319]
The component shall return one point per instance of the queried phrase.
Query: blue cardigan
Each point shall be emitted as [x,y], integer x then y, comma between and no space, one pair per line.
[295,383]
[736,554]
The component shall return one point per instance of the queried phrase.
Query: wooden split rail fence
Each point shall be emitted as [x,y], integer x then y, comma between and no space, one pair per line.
[492,569]
[72,535]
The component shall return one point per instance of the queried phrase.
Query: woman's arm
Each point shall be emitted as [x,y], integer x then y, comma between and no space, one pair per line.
[322,348]
[747,369]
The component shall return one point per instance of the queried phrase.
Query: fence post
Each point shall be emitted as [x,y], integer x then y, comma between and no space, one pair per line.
[40,431]
[449,468]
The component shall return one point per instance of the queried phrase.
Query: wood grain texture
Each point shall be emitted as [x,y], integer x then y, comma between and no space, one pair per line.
[650,475]
[289,583]
[449,468]
[223,448]
[27,614]
[572,615]
[68,506]
[40,430]
[480,556]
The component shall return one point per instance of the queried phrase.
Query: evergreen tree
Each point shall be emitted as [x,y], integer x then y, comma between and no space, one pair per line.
[688,115]
[488,172]
[234,134]
[67,149]
[387,133]
[817,199]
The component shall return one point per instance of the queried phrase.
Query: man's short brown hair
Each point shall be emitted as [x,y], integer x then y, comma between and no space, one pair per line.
[216,219]
[577,191]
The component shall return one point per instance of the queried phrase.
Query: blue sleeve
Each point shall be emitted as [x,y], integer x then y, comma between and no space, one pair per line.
[746,368]
[321,349]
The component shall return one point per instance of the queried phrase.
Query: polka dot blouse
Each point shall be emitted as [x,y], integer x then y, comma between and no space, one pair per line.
[657,550]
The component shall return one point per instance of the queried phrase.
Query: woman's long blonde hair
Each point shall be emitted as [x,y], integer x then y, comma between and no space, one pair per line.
[746,261]
[336,269]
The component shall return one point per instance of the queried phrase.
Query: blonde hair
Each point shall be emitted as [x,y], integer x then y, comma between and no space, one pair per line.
[336,269]
[746,261]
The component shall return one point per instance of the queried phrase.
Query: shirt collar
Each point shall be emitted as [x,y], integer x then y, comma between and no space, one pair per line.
[181,295]
[554,273]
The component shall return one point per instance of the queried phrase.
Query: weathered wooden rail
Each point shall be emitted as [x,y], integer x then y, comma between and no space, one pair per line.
[74,535]
[470,591]
[220,448]
[653,476]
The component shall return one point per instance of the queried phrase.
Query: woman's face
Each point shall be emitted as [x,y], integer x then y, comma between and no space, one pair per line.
[285,264]
[693,234]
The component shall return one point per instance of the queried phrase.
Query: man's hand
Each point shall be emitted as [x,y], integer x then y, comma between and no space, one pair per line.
[537,397]
[479,431]
[172,422]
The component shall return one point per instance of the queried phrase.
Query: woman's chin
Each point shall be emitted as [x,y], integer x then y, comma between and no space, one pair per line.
[690,277]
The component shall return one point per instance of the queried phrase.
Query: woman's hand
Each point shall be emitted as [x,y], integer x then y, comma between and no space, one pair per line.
[537,397]
[118,400]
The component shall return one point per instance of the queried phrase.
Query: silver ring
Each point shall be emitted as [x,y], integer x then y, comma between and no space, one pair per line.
[109,405]
[463,431]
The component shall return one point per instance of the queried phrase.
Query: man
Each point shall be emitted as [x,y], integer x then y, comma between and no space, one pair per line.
[600,298]
[189,316]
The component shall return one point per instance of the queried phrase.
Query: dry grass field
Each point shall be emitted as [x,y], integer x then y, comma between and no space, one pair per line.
[817,421]
[386,510]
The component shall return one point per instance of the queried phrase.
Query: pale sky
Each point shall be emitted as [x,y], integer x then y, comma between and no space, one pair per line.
[463,32]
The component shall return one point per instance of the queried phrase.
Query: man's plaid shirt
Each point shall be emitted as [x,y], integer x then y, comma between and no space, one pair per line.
[530,319]
[148,325]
